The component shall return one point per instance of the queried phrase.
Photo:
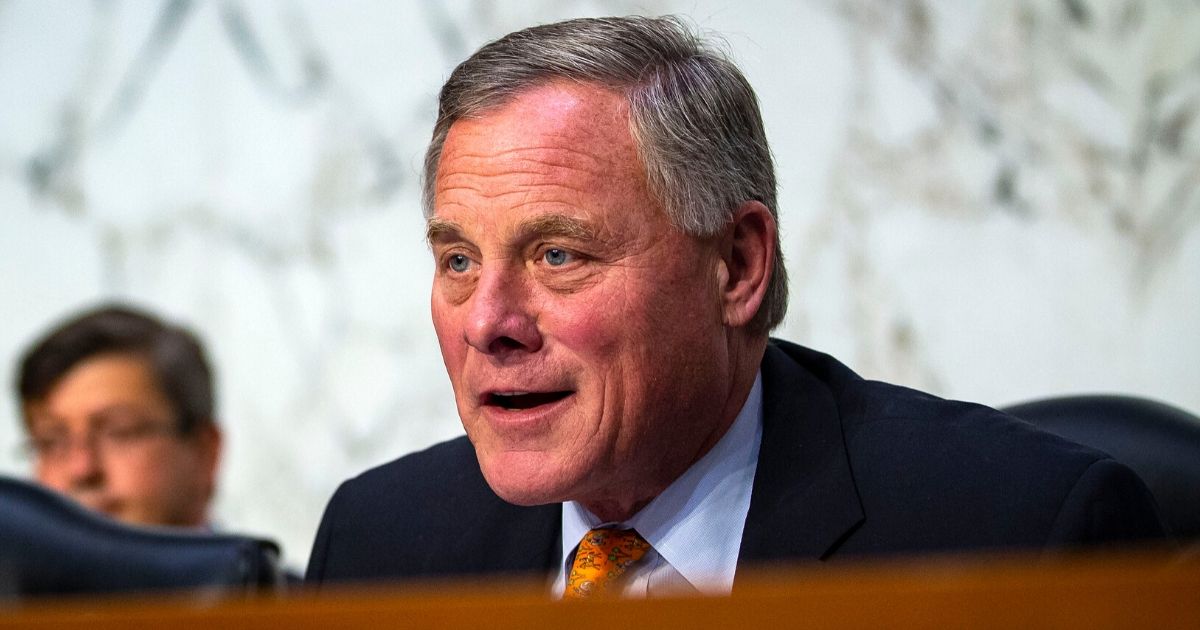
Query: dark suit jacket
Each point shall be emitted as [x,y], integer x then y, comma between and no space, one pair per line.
[848,467]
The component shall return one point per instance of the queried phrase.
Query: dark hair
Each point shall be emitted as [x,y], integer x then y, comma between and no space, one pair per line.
[693,115]
[174,355]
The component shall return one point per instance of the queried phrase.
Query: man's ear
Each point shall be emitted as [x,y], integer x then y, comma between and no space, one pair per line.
[747,253]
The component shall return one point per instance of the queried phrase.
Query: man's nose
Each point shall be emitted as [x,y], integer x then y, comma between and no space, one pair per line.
[501,319]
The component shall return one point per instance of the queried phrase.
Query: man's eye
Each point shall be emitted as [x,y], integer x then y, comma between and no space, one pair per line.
[49,445]
[458,263]
[556,257]
[125,433]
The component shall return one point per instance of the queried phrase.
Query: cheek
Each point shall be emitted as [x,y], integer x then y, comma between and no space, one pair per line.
[139,476]
[626,324]
[166,489]
[592,327]
[452,291]
[50,477]
[448,328]
[160,469]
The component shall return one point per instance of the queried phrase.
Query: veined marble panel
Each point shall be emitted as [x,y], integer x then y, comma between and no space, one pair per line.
[991,200]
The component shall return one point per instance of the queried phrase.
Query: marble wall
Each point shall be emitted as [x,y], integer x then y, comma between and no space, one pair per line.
[989,199]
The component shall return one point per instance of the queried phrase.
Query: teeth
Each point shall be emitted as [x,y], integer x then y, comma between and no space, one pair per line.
[513,394]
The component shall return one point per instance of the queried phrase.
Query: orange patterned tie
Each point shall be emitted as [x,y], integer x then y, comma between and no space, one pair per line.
[603,556]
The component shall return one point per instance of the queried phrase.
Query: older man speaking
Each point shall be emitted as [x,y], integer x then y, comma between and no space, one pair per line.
[600,203]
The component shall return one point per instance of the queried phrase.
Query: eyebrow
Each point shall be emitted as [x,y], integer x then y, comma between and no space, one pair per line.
[43,416]
[439,230]
[544,225]
[558,225]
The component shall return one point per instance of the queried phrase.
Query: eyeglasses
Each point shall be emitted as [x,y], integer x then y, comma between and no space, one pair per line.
[109,439]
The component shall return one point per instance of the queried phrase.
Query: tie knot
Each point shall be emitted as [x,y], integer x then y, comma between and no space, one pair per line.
[602,558]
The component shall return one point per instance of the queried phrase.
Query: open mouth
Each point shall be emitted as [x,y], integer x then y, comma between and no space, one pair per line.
[524,400]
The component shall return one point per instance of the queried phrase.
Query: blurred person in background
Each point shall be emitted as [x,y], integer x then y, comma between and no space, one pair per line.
[119,414]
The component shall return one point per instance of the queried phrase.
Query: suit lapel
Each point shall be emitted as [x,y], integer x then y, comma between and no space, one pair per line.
[532,544]
[804,501]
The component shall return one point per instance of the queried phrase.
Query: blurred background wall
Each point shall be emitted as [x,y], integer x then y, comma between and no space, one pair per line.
[990,200]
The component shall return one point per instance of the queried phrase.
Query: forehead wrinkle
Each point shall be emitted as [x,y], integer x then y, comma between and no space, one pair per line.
[476,186]
[540,177]
[548,154]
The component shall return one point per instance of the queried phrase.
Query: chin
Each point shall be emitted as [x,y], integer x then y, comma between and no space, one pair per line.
[523,480]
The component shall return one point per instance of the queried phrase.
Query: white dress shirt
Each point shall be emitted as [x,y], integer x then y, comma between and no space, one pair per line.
[694,526]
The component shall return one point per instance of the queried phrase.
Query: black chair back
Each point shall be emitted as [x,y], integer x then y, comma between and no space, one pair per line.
[1159,442]
[51,546]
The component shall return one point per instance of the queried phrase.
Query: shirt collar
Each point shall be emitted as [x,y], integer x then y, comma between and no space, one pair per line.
[696,523]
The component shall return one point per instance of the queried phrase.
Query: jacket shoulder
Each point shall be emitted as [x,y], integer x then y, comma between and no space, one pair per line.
[936,474]
[426,514]
[952,474]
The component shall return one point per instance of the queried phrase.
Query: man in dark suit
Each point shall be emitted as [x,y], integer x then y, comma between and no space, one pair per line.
[600,202]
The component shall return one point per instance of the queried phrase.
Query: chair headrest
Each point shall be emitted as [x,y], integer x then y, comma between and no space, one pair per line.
[50,545]
[1159,442]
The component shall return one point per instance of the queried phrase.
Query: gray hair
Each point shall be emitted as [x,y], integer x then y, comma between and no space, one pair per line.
[693,116]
